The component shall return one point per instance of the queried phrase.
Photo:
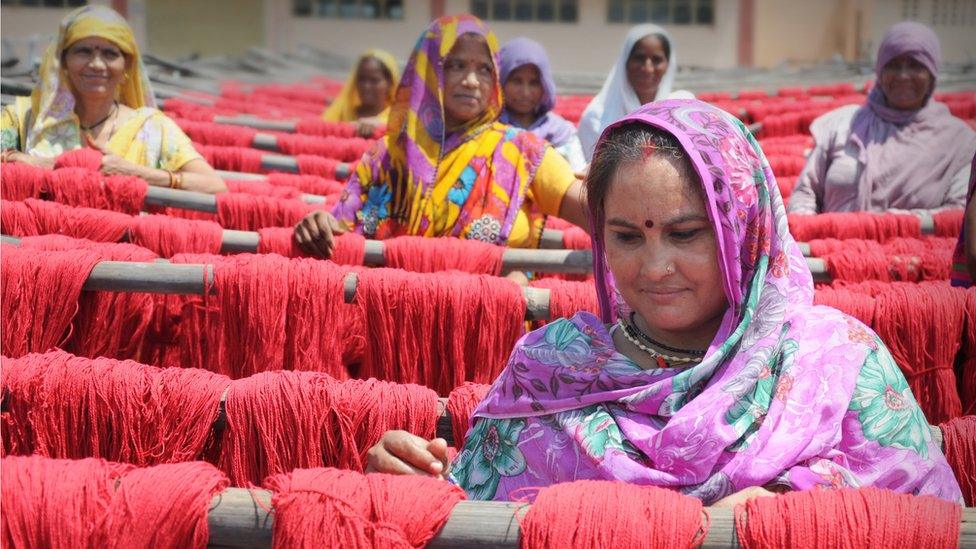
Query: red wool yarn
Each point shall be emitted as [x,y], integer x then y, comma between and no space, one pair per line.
[922,325]
[34,217]
[566,297]
[321,330]
[94,503]
[85,157]
[169,236]
[869,226]
[863,518]
[19,180]
[40,294]
[90,189]
[858,305]
[234,159]
[335,508]
[316,165]
[311,184]
[261,188]
[575,238]
[279,421]
[252,292]
[64,406]
[249,213]
[109,324]
[948,223]
[967,367]
[427,255]
[959,444]
[596,514]
[461,404]
[350,248]
[209,133]
[437,329]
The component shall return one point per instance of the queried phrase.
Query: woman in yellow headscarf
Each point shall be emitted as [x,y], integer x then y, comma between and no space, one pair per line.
[94,91]
[368,93]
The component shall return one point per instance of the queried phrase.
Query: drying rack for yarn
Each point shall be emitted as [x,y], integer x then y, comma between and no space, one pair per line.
[239,518]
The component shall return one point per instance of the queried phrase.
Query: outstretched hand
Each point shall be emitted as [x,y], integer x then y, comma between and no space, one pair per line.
[403,453]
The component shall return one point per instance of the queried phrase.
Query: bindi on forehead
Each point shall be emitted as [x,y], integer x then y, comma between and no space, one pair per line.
[648,224]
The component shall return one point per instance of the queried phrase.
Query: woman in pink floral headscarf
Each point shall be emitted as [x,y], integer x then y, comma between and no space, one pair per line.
[710,370]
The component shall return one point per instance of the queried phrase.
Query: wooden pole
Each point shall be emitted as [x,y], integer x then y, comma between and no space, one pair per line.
[240,518]
[200,202]
[195,279]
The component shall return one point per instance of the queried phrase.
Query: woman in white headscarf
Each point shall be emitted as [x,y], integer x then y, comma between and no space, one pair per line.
[644,72]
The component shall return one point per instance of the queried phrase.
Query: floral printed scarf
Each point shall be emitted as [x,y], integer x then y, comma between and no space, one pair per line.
[421,179]
[788,394]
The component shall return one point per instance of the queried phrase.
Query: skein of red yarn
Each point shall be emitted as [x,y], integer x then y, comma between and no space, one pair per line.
[437,329]
[869,226]
[90,189]
[109,324]
[261,188]
[249,213]
[566,297]
[311,184]
[350,248]
[60,405]
[959,445]
[862,518]
[40,296]
[596,514]
[34,217]
[967,366]
[19,180]
[279,421]
[948,223]
[334,508]
[461,404]
[85,157]
[921,324]
[427,255]
[94,503]
[169,236]
[575,238]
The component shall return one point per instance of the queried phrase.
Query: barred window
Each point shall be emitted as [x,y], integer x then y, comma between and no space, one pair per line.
[666,12]
[349,9]
[543,11]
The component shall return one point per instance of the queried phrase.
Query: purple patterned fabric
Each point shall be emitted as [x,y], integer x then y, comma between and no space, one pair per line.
[788,394]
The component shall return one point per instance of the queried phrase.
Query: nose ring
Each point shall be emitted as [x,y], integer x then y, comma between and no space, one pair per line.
[670,269]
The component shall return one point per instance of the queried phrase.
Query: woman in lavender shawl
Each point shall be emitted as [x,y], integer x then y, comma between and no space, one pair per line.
[903,150]
[710,371]
[530,96]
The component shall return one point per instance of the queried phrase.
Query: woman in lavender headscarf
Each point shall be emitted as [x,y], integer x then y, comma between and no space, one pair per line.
[710,370]
[901,151]
[530,96]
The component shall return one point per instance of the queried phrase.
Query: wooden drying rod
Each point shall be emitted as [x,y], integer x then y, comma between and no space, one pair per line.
[240,518]
[204,202]
[161,277]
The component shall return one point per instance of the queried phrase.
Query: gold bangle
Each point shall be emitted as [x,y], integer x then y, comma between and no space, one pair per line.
[178,176]
[172,179]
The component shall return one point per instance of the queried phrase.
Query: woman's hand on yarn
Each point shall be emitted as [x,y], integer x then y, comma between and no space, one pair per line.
[742,496]
[113,164]
[17,156]
[403,453]
[315,233]
[366,127]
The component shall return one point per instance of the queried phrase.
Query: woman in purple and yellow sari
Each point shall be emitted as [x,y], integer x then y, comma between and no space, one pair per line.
[710,371]
[447,167]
